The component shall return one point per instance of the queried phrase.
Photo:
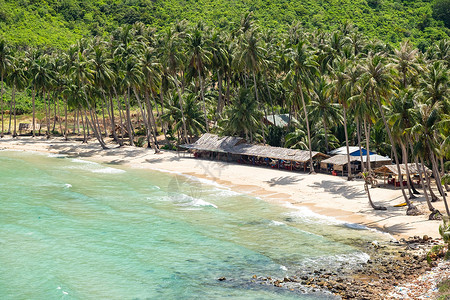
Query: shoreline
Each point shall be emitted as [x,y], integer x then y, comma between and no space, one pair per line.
[323,194]
[379,276]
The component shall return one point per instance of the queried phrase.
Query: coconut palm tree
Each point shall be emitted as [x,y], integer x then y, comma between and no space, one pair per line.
[378,83]
[303,66]
[199,57]
[322,109]
[5,63]
[243,117]
[18,81]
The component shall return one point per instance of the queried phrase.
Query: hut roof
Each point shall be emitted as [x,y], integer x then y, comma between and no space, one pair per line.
[212,142]
[276,152]
[392,169]
[282,120]
[339,160]
[236,145]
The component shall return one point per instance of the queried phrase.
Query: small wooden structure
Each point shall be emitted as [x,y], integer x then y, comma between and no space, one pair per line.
[390,173]
[340,162]
[28,126]
[237,149]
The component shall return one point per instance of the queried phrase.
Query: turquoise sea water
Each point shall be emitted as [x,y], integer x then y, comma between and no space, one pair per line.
[74,229]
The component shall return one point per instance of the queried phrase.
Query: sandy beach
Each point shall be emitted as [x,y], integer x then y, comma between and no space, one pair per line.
[323,194]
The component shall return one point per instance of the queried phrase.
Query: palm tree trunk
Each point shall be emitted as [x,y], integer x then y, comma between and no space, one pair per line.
[441,158]
[271,101]
[10,115]
[220,101]
[311,164]
[438,178]
[367,134]
[113,122]
[349,166]
[103,116]
[95,125]
[180,102]
[84,125]
[424,176]
[66,130]
[1,107]
[358,129]
[326,132]
[202,95]
[129,126]
[405,161]
[152,119]
[33,99]
[55,115]
[14,109]
[58,116]
[412,210]
[49,115]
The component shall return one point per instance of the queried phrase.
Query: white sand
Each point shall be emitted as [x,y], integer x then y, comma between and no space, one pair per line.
[323,194]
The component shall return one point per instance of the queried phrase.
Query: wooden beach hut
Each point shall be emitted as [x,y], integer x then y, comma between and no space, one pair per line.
[391,176]
[236,148]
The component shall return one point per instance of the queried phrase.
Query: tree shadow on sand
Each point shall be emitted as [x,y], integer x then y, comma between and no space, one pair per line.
[339,188]
[283,180]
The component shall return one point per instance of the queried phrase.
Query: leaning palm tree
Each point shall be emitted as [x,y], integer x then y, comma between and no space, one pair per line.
[425,127]
[378,83]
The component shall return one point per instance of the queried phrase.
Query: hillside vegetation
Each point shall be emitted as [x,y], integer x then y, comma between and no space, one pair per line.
[60,23]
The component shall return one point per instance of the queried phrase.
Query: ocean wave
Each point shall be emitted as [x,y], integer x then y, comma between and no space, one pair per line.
[67,185]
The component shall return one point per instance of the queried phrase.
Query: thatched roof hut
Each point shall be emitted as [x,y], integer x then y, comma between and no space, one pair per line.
[392,169]
[212,142]
[238,146]
[276,152]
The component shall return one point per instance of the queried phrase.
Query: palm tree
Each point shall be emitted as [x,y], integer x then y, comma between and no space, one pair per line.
[172,59]
[322,109]
[303,66]
[378,84]
[5,63]
[243,117]
[18,81]
[199,56]
[426,123]
[342,93]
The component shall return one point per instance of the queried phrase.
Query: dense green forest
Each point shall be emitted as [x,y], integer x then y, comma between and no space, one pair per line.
[60,23]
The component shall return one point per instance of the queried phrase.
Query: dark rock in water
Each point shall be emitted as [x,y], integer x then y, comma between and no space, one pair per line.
[221,279]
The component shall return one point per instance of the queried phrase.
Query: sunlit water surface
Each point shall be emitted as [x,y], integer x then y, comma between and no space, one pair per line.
[74,229]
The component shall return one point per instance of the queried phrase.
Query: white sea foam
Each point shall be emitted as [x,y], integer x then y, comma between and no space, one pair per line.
[108,170]
[82,161]
[283,268]
[56,155]
[67,185]
[307,215]
[200,202]
[276,223]
[350,258]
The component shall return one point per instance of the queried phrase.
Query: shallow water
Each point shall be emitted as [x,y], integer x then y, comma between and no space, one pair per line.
[74,229]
